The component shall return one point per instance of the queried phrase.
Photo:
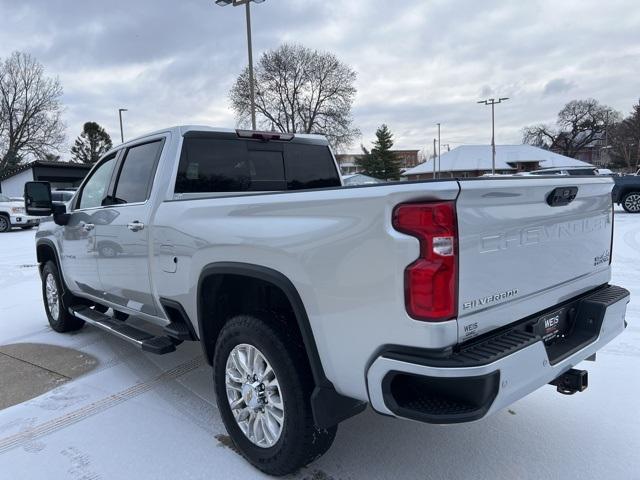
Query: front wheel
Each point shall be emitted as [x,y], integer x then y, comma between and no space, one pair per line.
[263,386]
[59,318]
[5,224]
[631,202]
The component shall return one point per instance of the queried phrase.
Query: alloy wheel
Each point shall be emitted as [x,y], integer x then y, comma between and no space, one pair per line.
[632,202]
[254,395]
[53,299]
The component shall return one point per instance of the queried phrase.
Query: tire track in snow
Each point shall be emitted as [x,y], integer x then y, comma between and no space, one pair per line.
[50,426]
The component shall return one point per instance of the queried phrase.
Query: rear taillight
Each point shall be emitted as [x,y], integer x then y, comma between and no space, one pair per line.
[431,282]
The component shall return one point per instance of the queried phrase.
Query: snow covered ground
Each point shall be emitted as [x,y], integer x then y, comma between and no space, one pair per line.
[150,417]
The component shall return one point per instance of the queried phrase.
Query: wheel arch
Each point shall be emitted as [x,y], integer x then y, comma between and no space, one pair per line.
[45,251]
[329,407]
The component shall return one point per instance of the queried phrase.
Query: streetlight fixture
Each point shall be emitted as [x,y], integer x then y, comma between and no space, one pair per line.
[493,102]
[120,110]
[247,3]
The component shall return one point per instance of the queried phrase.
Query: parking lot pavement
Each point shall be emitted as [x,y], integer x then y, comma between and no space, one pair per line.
[141,416]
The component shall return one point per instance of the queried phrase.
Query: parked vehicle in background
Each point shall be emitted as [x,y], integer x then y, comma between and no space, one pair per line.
[440,301]
[360,179]
[565,171]
[63,196]
[626,192]
[12,214]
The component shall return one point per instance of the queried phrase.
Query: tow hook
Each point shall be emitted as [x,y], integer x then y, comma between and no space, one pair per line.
[571,381]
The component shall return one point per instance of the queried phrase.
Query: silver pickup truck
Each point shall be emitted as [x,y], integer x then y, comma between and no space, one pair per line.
[437,301]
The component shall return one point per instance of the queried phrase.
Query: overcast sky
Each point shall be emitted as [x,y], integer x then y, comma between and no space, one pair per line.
[419,62]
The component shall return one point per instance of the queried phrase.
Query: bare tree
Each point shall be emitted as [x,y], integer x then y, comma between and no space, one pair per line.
[299,90]
[579,123]
[30,109]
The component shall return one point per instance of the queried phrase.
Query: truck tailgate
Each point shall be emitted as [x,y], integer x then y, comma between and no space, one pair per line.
[518,255]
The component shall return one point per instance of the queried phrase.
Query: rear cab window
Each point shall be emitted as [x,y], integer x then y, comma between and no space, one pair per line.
[228,165]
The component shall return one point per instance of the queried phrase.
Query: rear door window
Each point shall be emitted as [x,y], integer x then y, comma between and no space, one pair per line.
[136,173]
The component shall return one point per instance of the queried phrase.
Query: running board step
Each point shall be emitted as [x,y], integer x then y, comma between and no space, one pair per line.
[141,338]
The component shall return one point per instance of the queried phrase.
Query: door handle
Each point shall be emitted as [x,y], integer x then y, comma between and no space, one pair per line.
[135,226]
[88,227]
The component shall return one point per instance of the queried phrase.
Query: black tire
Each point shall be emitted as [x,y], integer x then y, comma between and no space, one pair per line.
[63,321]
[631,202]
[300,441]
[5,223]
[28,227]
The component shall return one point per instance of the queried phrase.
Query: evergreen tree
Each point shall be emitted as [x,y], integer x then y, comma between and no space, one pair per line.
[370,164]
[92,143]
[381,162]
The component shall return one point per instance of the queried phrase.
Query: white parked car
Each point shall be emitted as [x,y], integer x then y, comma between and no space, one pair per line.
[12,214]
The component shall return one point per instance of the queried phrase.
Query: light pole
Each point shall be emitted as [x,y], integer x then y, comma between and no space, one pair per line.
[247,3]
[434,158]
[120,110]
[438,150]
[493,102]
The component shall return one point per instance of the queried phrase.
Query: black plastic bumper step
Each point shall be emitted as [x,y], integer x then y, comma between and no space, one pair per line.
[178,331]
[145,340]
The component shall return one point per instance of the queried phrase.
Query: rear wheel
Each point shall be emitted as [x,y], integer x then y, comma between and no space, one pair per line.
[631,202]
[5,223]
[59,317]
[263,386]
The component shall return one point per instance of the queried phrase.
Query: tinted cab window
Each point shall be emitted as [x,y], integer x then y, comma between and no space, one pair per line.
[227,165]
[136,173]
[95,189]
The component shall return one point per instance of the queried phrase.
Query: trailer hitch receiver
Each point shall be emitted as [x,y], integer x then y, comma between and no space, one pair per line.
[571,381]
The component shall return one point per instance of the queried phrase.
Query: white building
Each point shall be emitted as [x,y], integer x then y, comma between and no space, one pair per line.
[59,174]
[475,160]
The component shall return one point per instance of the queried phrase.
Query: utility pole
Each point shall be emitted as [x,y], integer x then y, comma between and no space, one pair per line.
[493,102]
[120,110]
[434,158]
[439,150]
[247,4]
[251,80]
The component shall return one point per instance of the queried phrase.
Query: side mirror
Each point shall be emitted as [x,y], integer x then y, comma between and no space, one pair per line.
[37,199]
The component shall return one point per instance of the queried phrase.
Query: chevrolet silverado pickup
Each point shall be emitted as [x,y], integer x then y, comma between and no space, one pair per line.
[440,301]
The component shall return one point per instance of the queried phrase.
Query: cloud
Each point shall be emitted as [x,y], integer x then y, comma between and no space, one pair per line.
[558,85]
[418,63]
